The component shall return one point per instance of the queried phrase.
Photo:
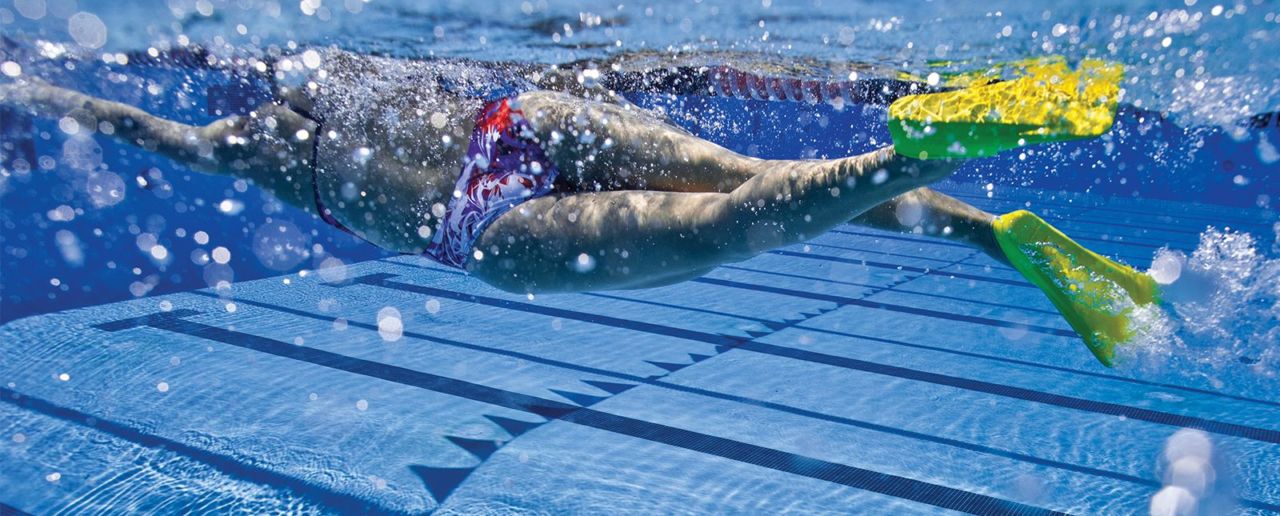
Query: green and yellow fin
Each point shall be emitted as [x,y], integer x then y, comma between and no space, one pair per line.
[1043,101]
[1097,296]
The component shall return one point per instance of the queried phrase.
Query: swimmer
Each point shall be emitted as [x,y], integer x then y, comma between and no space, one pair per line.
[543,179]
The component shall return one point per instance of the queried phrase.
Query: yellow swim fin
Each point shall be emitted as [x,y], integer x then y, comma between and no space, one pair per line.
[1044,101]
[1097,296]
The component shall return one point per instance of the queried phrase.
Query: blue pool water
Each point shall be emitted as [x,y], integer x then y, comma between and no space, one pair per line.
[861,372]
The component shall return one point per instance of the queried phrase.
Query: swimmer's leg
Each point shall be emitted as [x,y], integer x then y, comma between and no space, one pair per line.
[262,147]
[602,146]
[628,148]
[632,239]
[1096,295]
[645,153]
[928,212]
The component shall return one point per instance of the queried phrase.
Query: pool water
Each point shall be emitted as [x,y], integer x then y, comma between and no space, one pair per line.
[175,342]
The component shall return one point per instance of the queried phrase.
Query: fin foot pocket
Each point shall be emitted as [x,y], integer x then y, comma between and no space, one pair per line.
[1096,295]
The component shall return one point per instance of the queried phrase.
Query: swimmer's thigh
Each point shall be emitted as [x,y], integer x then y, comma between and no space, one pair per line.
[605,240]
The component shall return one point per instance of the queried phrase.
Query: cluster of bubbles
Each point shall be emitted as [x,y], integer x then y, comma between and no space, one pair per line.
[277,244]
[1192,484]
[1219,321]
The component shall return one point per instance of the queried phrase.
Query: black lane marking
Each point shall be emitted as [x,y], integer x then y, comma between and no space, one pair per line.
[1133,258]
[383,280]
[768,323]
[843,300]
[1180,230]
[883,483]
[1099,407]
[940,261]
[222,463]
[9,510]
[800,276]
[1015,361]
[924,241]
[454,272]
[1218,427]
[898,290]
[1125,240]
[774,325]
[903,268]
[1208,219]
[931,242]
[719,395]
[435,339]
[771,324]
[965,353]
[858,478]
[1135,381]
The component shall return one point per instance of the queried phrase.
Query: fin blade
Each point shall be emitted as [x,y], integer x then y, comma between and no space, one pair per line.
[1094,294]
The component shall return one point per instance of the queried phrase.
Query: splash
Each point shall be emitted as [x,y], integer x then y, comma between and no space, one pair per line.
[1219,322]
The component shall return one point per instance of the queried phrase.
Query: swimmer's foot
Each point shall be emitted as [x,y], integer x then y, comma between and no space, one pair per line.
[1097,296]
[1045,101]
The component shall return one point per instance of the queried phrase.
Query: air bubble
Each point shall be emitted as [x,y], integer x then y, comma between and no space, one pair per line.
[390,326]
[87,30]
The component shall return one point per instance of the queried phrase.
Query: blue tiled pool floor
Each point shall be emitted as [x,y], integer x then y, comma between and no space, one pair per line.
[861,372]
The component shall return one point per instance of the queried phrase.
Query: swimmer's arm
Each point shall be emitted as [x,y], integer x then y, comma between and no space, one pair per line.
[262,147]
[185,143]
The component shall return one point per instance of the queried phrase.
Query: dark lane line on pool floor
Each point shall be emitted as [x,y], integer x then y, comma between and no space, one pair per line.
[1059,222]
[849,301]
[1181,230]
[222,463]
[381,280]
[766,322]
[903,268]
[901,237]
[1099,407]
[941,261]
[772,324]
[1051,367]
[1177,420]
[992,388]
[662,384]
[9,510]
[883,483]
[1119,240]
[1207,219]
[797,325]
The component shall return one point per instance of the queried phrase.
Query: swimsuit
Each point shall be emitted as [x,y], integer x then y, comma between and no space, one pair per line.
[504,167]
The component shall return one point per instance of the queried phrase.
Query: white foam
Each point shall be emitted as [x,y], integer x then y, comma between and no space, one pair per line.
[1219,323]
